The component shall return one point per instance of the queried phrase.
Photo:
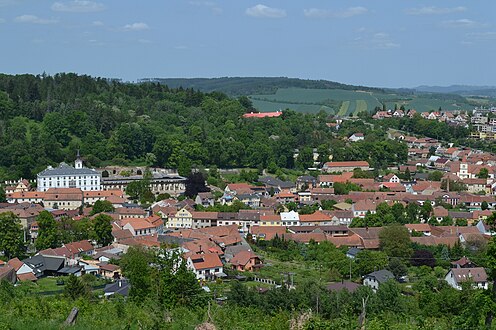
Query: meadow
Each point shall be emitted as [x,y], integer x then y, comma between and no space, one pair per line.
[349,102]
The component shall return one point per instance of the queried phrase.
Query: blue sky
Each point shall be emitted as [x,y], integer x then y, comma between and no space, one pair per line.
[387,43]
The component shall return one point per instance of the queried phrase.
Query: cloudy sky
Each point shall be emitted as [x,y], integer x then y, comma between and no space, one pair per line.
[387,43]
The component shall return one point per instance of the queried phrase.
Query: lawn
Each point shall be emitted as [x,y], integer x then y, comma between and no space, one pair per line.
[49,284]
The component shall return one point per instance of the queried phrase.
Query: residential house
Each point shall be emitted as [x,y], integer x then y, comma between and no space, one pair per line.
[205,199]
[305,182]
[375,279]
[109,271]
[204,219]
[356,137]
[361,208]
[477,276]
[270,220]
[343,285]
[182,219]
[205,266]
[251,200]
[291,218]
[119,287]
[391,177]
[130,212]
[317,218]
[267,232]
[246,261]
[140,227]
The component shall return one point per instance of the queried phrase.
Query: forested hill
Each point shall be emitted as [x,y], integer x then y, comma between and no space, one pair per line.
[237,86]
[45,119]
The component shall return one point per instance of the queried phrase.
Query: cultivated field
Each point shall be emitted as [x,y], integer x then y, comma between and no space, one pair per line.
[348,102]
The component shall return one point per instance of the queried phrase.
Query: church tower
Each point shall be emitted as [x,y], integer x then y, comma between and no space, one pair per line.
[78,164]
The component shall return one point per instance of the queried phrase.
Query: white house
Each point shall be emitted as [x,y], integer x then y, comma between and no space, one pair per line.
[66,176]
[374,279]
[290,218]
[206,266]
[356,137]
[477,276]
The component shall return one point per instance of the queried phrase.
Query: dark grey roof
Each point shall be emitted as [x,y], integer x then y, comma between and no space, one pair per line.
[248,196]
[70,270]
[306,178]
[119,287]
[275,182]
[64,169]
[353,251]
[41,263]
[381,276]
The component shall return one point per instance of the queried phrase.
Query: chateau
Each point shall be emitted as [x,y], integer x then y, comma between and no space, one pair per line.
[66,176]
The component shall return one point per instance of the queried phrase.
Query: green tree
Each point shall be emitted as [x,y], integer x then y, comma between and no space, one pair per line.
[435,176]
[136,267]
[397,267]
[75,288]
[48,233]
[484,205]
[305,158]
[102,206]
[368,261]
[3,198]
[483,173]
[395,241]
[102,229]
[11,235]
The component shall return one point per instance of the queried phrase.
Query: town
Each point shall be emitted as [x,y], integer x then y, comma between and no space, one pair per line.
[78,221]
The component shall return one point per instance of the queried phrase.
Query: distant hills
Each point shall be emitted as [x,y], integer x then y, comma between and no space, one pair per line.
[238,86]
[279,93]
[464,90]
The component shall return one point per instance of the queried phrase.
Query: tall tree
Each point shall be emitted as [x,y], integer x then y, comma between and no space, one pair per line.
[102,206]
[11,235]
[48,233]
[395,241]
[136,267]
[102,229]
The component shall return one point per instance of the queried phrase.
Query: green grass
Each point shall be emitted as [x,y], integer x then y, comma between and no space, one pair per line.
[361,105]
[344,108]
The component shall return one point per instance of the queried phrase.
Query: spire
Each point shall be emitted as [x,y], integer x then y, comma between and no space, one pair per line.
[79,162]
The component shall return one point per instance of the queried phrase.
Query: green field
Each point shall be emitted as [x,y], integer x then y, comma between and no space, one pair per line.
[349,102]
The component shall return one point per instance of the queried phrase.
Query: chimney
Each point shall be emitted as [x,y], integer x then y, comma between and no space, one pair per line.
[120,284]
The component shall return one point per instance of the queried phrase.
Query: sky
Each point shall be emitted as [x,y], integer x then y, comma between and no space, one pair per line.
[380,43]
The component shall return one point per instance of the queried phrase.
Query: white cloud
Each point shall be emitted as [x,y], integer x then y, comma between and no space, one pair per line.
[379,40]
[324,13]
[136,27]
[34,20]
[97,23]
[266,12]
[462,23]
[144,41]
[78,6]
[2,20]
[434,10]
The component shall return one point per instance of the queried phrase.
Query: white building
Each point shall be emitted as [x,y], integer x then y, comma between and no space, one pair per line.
[66,176]
[476,276]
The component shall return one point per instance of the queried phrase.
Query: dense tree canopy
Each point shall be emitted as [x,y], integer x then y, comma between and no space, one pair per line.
[46,118]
